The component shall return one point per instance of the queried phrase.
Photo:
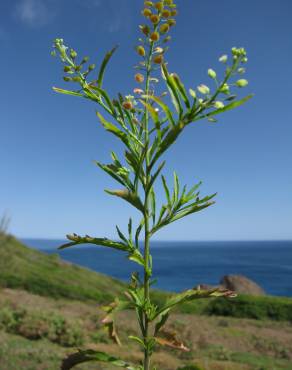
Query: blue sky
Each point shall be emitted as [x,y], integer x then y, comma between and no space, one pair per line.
[49,184]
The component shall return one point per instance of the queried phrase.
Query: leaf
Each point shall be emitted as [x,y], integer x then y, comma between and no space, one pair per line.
[166,189]
[128,196]
[108,321]
[137,339]
[164,107]
[112,333]
[170,339]
[106,168]
[91,355]
[154,116]
[230,106]
[170,138]
[192,294]
[104,94]
[137,257]
[103,66]
[181,88]
[68,92]
[162,321]
[138,231]
[176,187]
[77,239]
[172,89]
[154,177]
[113,129]
[153,204]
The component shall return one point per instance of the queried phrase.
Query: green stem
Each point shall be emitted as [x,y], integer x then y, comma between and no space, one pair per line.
[147,273]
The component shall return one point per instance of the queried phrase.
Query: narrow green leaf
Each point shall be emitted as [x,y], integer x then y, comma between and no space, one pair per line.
[172,89]
[229,106]
[166,189]
[113,129]
[164,107]
[103,66]
[129,196]
[153,204]
[68,92]
[77,239]
[181,88]
[91,356]
[154,116]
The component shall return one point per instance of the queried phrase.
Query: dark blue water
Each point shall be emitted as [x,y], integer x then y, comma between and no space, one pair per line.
[182,265]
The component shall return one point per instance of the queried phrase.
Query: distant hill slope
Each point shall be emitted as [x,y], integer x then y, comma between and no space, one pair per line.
[47,275]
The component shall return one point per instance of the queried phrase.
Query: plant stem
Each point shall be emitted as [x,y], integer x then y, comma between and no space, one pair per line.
[146,218]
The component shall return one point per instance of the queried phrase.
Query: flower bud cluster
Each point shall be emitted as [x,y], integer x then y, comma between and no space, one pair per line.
[239,56]
[68,57]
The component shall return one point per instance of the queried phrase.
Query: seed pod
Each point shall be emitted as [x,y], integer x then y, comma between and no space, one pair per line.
[67,69]
[145,29]
[212,73]
[241,83]
[193,93]
[159,6]
[138,91]
[168,38]
[73,54]
[225,89]
[218,104]
[173,13]
[141,51]
[168,2]
[146,12]
[148,3]
[164,28]
[76,79]
[223,59]
[67,79]
[158,59]
[85,60]
[203,89]
[78,68]
[127,105]
[166,13]
[154,36]
[154,18]
[139,77]
[171,22]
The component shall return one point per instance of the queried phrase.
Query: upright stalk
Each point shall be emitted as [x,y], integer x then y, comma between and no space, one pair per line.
[146,220]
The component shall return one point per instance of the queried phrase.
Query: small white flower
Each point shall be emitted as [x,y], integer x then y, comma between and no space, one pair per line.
[218,104]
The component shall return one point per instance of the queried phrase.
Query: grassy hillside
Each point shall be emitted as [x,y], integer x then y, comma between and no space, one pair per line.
[47,275]
[49,307]
[37,332]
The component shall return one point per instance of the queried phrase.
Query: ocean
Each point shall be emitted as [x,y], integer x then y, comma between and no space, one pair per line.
[182,265]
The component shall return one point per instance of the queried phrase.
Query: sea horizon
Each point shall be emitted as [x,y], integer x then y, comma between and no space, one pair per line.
[180,265]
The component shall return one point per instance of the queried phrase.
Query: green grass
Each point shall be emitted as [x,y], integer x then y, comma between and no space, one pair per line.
[47,275]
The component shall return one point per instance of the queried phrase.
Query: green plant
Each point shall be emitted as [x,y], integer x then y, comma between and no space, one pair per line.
[148,125]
